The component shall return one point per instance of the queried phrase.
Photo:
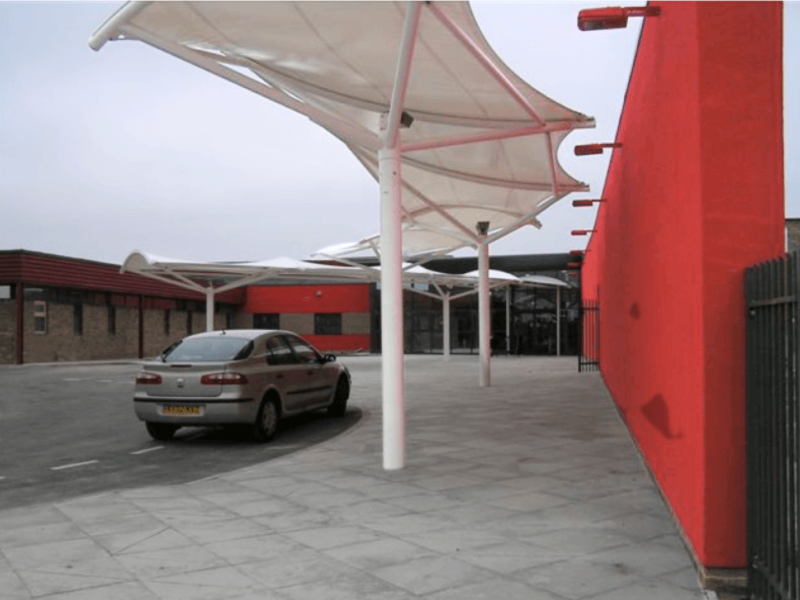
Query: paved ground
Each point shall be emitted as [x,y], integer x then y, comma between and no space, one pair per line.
[70,429]
[530,489]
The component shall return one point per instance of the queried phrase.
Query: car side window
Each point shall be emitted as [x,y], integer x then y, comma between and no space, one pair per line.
[305,354]
[278,352]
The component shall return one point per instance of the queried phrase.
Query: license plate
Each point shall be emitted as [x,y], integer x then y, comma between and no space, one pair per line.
[182,411]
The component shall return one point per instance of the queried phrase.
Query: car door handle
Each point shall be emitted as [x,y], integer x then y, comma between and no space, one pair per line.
[279,376]
[311,372]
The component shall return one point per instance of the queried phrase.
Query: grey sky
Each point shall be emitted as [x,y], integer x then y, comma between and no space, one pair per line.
[129,148]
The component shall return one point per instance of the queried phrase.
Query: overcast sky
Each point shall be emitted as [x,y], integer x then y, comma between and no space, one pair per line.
[131,149]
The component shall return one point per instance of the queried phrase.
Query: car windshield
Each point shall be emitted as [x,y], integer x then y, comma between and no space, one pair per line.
[208,349]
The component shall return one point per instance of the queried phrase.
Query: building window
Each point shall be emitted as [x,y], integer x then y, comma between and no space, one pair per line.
[166,321]
[40,316]
[112,319]
[328,324]
[189,319]
[6,292]
[228,320]
[267,321]
[77,319]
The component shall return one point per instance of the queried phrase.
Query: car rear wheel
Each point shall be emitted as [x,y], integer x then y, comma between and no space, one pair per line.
[339,405]
[161,431]
[266,425]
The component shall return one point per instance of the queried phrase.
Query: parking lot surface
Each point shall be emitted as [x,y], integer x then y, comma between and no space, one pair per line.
[70,429]
[530,489]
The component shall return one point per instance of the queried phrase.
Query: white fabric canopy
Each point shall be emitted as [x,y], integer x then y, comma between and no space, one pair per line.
[219,277]
[202,276]
[464,150]
[482,145]
[543,281]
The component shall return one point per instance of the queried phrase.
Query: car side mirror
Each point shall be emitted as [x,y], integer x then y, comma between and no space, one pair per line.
[329,358]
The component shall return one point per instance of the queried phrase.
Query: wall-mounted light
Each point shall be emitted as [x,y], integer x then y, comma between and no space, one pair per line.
[576,252]
[587,202]
[585,149]
[573,265]
[582,231]
[482,227]
[319,293]
[592,19]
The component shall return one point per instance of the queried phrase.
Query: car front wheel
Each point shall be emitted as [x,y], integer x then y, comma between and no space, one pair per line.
[266,425]
[161,431]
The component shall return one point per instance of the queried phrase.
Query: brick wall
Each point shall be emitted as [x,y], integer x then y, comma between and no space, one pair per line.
[61,343]
[300,323]
[356,323]
[8,332]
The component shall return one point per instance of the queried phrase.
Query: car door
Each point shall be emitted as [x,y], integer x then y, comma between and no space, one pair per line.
[318,386]
[286,373]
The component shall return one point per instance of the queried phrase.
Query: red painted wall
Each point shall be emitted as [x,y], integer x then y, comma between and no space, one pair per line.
[695,195]
[355,342]
[351,298]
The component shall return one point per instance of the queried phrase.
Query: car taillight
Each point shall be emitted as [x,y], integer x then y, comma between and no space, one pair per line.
[145,378]
[223,379]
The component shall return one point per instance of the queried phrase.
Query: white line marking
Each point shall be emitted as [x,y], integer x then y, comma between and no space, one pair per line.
[73,465]
[146,450]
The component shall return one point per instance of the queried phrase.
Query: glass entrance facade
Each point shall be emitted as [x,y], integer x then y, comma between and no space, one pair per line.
[532,322]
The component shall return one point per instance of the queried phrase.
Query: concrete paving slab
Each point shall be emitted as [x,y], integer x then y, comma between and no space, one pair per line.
[529,489]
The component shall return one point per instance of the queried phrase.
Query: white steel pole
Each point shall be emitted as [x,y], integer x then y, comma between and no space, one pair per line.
[558,321]
[210,308]
[446,326]
[508,320]
[392,310]
[389,159]
[484,322]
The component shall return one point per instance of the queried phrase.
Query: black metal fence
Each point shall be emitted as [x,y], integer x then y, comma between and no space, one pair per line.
[589,351]
[773,430]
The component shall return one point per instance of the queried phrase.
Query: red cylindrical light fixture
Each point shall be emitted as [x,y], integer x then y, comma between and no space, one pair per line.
[587,202]
[582,231]
[586,149]
[593,19]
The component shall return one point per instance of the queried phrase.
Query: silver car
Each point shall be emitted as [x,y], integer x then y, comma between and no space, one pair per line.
[238,377]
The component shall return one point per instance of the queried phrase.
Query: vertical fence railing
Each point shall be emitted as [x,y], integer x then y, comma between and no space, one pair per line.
[589,351]
[773,430]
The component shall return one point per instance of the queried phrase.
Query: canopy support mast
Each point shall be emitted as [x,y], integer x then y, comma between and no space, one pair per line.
[210,308]
[508,319]
[446,326]
[558,321]
[484,300]
[389,161]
